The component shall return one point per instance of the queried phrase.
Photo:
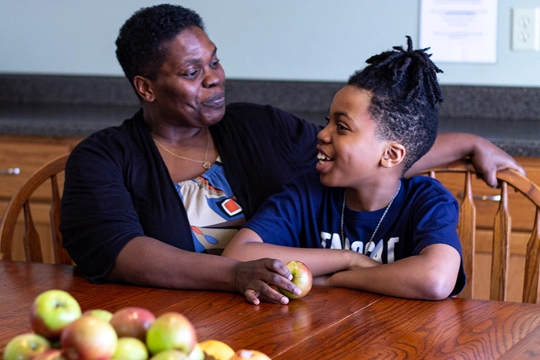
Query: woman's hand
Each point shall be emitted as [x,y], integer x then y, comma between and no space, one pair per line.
[254,280]
[488,159]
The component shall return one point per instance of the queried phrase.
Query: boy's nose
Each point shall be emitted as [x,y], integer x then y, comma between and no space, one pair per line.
[323,135]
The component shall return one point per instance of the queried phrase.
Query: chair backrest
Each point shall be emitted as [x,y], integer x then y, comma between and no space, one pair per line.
[21,202]
[502,227]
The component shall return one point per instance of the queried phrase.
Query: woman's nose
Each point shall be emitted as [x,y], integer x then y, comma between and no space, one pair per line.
[212,77]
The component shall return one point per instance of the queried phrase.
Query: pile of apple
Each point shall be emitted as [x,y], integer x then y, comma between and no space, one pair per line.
[62,332]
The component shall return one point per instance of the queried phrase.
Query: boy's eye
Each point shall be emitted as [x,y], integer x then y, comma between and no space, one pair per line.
[340,126]
[327,119]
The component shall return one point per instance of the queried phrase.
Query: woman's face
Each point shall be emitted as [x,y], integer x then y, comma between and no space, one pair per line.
[349,149]
[190,85]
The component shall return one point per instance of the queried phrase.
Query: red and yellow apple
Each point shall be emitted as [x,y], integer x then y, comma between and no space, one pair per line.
[26,346]
[301,277]
[171,331]
[89,337]
[249,354]
[52,311]
[132,322]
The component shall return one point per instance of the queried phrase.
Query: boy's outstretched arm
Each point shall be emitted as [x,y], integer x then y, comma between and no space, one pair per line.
[486,157]
[248,245]
[431,275]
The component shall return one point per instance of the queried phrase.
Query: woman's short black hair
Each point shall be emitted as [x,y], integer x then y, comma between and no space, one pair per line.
[140,46]
[405,98]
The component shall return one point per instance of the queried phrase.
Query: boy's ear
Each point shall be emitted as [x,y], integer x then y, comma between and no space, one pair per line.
[144,88]
[393,155]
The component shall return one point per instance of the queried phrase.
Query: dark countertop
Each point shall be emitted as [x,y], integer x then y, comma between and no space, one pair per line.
[65,105]
[517,137]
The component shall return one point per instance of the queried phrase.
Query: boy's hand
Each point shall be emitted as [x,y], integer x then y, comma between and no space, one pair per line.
[254,280]
[358,260]
[321,280]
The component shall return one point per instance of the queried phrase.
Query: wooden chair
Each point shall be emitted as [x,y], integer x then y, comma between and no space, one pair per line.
[21,202]
[502,227]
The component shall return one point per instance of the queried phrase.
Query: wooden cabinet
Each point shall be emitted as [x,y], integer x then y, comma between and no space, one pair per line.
[522,213]
[28,153]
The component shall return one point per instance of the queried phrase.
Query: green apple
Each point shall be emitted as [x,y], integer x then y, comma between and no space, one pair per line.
[88,337]
[26,346]
[130,348]
[170,355]
[301,277]
[132,322]
[52,311]
[171,331]
[100,313]
[197,353]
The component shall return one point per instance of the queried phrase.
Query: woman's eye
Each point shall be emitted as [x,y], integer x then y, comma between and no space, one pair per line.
[341,127]
[215,62]
[327,120]
[191,74]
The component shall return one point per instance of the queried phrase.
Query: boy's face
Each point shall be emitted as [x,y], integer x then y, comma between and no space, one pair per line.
[349,151]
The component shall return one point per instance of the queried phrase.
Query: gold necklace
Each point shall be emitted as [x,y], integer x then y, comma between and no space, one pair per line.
[205,164]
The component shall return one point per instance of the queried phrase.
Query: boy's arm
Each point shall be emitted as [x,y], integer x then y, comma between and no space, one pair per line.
[486,157]
[431,275]
[248,245]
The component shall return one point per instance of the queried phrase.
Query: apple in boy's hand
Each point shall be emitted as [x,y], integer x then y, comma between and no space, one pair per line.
[171,331]
[89,337]
[301,277]
[51,311]
[26,346]
[132,322]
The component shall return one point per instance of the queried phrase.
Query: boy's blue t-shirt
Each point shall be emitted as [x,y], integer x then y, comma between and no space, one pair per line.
[307,214]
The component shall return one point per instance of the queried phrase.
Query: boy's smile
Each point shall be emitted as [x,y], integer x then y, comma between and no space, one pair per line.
[349,148]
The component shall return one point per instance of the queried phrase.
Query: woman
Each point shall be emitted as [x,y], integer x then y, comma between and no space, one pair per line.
[143,200]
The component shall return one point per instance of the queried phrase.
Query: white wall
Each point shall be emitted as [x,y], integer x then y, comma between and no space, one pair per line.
[319,40]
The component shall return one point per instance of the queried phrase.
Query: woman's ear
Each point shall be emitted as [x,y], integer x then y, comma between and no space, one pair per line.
[393,155]
[143,86]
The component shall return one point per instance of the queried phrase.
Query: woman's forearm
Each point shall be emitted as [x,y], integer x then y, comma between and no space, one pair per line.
[485,156]
[448,147]
[149,262]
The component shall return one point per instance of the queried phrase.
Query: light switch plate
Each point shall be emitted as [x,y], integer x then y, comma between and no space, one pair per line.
[526,29]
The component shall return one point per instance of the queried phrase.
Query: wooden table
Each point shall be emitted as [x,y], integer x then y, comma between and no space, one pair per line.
[329,323]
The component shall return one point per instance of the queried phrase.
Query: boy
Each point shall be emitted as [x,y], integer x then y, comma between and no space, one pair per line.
[402,232]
